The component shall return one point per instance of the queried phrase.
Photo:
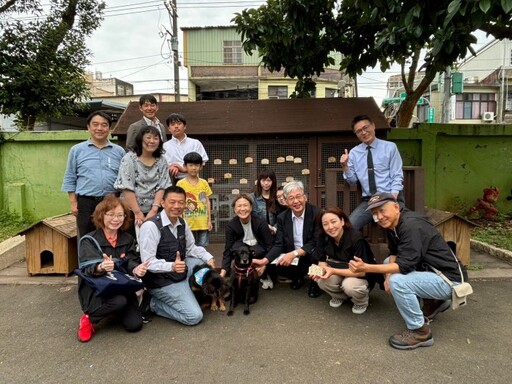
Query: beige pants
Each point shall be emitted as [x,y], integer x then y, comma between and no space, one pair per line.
[346,288]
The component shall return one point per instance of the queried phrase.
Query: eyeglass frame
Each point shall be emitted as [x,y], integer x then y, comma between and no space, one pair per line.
[117,216]
[364,128]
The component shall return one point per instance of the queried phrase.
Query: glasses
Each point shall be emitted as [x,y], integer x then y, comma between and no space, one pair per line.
[291,199]
[364,128]
[119,216]
[280,197]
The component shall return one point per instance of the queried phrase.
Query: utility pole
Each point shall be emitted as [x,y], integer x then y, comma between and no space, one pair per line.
[447,95]
[172,8]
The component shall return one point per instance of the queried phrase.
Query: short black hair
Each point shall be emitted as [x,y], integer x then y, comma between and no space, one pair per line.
[359,118]
[105,115]
[192,158]
[175,117]
[137,148]
[174,189]
[150,98]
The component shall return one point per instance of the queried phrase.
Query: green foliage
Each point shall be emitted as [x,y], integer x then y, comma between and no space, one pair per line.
[11,224]
[42,62]
[300,36]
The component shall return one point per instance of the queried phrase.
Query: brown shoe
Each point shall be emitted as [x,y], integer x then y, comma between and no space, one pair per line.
[433,307]
[413,338]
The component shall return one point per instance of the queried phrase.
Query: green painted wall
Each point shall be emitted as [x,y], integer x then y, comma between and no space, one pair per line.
[32,166]
[459,162]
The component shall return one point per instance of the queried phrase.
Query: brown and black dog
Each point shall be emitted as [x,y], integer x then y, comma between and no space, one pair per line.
[245,282]
[209,287]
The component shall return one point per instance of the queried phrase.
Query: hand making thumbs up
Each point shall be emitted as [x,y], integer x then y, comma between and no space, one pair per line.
[344,159]
[179,265]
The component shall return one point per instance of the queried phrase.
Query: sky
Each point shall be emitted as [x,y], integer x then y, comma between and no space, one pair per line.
[131,43]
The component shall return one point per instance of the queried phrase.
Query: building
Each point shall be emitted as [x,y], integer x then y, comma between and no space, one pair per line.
[485,95]
[218,68]
[100,87]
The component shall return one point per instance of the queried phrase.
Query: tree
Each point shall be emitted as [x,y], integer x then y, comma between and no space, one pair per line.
[299,36]
[42,62]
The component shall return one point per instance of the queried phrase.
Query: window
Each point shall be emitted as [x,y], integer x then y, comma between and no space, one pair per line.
[508,102]
[473,105]
[277,92]
[329,92]
[232,52]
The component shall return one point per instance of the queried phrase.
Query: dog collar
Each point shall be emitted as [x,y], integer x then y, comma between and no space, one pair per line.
[199,276]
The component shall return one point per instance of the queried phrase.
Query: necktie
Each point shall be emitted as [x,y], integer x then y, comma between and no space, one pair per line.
[371,173]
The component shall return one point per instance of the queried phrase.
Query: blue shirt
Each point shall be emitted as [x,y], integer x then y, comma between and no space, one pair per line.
[387,165]
[91,171]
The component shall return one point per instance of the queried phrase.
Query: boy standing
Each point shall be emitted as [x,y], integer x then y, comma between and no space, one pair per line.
[197,210]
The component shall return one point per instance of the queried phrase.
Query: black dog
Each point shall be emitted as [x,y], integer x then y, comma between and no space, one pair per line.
[245,282]
[209,287]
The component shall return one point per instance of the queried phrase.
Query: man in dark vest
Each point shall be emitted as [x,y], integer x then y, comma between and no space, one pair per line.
[166,241]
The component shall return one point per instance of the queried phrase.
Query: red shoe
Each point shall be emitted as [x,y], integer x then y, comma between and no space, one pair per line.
[85,329]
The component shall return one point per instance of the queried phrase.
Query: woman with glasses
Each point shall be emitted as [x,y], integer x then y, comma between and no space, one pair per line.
[111,218]
[144,175]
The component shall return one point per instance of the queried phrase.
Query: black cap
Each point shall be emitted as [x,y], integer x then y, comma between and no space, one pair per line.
[380,199]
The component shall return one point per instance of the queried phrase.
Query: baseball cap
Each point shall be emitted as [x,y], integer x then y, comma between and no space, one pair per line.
[380,199]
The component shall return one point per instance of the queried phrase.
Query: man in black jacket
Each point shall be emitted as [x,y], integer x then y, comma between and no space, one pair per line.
[295,241]
[414,245]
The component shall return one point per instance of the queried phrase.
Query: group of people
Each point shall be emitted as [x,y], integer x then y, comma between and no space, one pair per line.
[289,235]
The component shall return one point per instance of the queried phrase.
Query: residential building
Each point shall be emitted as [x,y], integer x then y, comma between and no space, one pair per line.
[218,68]
[486,94]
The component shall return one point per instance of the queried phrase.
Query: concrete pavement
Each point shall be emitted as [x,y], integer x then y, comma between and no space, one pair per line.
[287,338]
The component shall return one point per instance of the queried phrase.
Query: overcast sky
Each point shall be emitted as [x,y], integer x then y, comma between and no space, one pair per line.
[131,43]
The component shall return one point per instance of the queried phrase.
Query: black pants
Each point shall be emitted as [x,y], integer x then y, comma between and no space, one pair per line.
[86,207]
[125,306]
[292,272]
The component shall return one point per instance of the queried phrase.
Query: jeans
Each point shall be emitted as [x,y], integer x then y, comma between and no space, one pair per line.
[406,289]
[177,301]
[202,238]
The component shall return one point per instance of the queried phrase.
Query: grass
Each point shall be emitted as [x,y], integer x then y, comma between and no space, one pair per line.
[498,234]
[10,225]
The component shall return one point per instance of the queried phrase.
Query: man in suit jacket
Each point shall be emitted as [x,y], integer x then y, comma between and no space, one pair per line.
[296,239]
[149,107]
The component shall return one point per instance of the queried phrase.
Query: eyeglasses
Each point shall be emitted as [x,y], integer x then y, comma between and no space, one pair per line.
[119,216]
[364,128]
[291,199]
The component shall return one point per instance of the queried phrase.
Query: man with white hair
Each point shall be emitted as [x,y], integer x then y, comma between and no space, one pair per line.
[296,238]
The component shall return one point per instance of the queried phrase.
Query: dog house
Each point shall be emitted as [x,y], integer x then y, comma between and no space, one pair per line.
[51,246]
[453,228]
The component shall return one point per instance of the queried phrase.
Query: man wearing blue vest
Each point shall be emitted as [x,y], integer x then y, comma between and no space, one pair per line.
[166,241]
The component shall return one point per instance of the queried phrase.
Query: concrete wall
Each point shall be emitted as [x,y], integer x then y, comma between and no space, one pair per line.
[459,161]
[32,166]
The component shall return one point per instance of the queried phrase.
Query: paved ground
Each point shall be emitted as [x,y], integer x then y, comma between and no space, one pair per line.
[287,338]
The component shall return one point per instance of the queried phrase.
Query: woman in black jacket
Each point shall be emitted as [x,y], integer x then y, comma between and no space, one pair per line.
[337,245]
[111,218]
[245,228]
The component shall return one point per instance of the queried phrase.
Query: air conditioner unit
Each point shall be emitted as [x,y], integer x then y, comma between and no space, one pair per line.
[488,116]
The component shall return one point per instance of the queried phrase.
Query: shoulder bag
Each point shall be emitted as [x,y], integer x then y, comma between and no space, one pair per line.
[112,283]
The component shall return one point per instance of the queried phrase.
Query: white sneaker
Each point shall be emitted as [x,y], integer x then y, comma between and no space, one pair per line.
[267,283]
[359,309]
[336,303]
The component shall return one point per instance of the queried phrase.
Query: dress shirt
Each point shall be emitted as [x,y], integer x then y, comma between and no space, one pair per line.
[298,229]
[92,171]
[157,124]
[149,237]
[387,165]
[175,150]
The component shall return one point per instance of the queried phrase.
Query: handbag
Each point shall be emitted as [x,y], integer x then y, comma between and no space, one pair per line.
[461,291]
[112,283]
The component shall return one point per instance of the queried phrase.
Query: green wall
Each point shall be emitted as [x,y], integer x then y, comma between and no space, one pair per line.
[32,166]
[459,162]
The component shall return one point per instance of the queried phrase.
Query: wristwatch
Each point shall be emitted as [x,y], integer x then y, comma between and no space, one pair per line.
[295,253]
